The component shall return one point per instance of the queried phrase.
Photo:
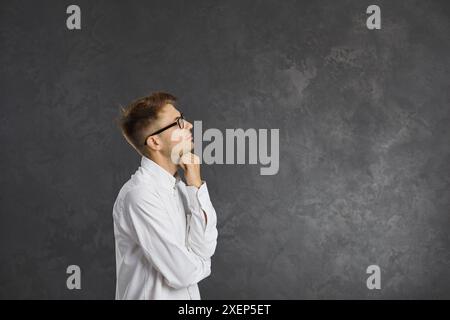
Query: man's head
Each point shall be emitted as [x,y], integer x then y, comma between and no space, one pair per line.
[148,115]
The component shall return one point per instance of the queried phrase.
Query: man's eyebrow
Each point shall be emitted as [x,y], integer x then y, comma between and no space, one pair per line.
[177,117]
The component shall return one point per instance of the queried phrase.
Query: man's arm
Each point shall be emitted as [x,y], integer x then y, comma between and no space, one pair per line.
[153,228]
[201,224]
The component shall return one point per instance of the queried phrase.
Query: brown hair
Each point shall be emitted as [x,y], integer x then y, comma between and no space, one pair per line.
[136,119]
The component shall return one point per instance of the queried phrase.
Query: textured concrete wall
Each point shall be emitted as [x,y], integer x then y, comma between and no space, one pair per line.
[364,121]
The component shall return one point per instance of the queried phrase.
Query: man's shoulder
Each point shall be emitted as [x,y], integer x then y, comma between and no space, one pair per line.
[140,188]
[138,185]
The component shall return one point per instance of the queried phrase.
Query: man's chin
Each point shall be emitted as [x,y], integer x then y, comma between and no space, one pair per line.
[186,149]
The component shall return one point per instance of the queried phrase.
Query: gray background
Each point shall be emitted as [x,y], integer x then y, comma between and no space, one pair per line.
[364,121]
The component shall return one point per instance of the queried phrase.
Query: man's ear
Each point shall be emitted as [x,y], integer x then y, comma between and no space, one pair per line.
[154,143]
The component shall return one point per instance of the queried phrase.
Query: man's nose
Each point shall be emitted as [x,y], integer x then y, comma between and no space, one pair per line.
[189,125]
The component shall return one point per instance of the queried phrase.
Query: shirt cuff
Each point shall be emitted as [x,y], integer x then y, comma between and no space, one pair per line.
[199,198]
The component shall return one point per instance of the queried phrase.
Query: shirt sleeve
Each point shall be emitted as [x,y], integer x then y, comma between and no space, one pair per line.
[202,233]
[153,230]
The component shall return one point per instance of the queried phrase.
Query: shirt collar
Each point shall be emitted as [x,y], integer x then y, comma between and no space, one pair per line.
[164,178]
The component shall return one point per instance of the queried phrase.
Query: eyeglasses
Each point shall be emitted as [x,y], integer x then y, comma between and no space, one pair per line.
[179,122]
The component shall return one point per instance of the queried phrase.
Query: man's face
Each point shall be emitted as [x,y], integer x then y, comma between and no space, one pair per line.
[174,139]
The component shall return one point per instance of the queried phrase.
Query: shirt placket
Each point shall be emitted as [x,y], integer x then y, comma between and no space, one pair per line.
[180,218]
[180,212]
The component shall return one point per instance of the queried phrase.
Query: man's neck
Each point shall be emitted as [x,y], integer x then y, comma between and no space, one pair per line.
[164,163]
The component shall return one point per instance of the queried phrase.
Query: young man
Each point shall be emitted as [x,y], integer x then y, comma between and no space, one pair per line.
[165,228]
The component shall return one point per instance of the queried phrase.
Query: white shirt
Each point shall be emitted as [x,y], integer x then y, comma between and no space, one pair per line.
[163,242]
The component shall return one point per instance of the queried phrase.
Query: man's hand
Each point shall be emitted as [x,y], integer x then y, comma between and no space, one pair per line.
[190,163]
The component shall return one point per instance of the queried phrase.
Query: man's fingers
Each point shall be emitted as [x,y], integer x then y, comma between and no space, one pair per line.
[190,158]
[194,159]
[182,165]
